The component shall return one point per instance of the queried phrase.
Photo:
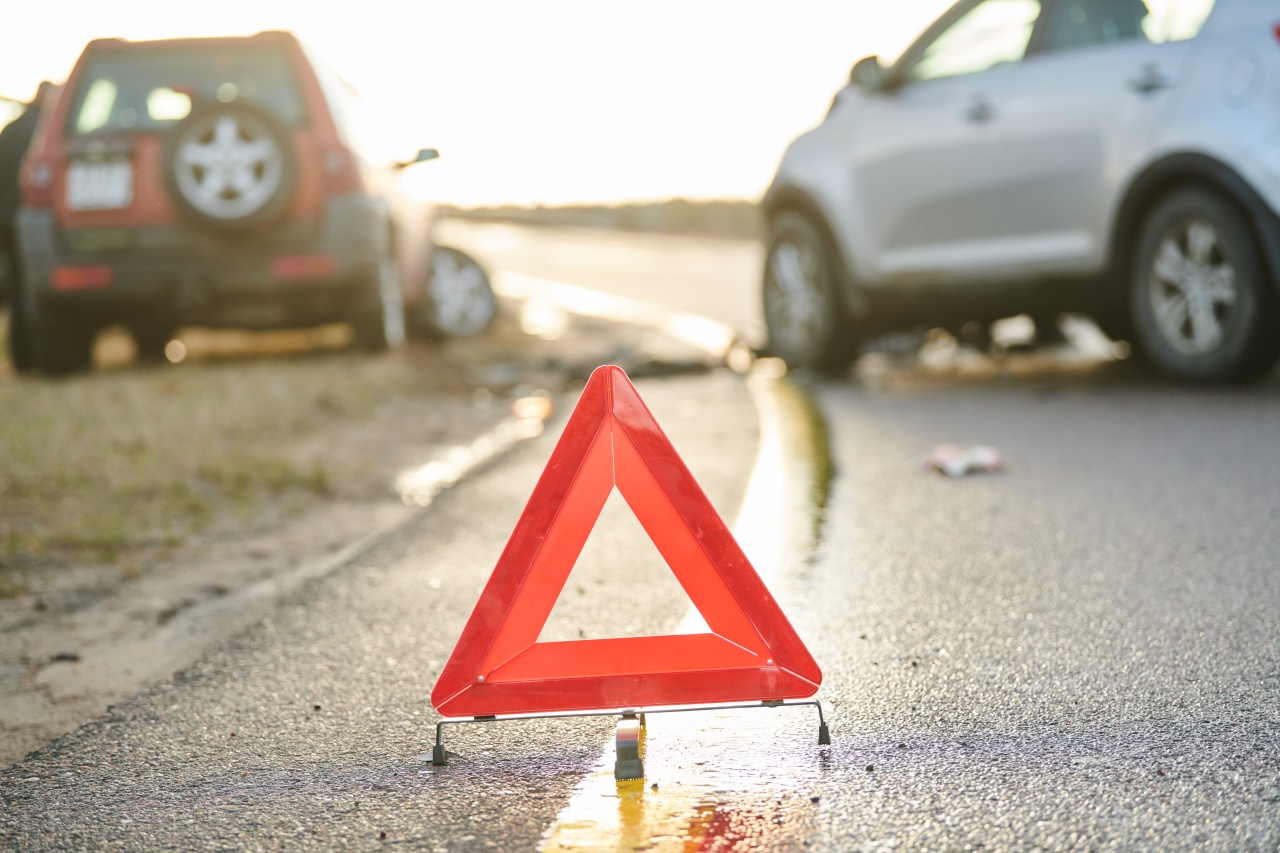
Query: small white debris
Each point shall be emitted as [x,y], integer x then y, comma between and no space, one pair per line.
[956,461]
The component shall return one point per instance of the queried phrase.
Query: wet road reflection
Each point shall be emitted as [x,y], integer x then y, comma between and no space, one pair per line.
[724,780]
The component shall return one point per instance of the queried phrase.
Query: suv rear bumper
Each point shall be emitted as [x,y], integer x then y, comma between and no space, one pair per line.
[293,276]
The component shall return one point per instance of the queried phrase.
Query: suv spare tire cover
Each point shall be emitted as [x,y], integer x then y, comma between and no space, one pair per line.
[230,167]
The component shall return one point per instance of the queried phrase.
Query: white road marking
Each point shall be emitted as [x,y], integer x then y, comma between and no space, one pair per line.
[680,809]
[708,335]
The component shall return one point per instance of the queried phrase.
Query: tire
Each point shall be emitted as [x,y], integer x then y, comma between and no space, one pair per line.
[150,340]
[61,344]
[378,316]
[459,300]
[804,310]
[22,353]
[1203,306]
[230,167]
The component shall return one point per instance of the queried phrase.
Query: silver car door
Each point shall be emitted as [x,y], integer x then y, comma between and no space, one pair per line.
[1101,76]
[925,159]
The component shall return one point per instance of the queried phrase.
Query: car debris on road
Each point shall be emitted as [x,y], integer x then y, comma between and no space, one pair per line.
[956,461]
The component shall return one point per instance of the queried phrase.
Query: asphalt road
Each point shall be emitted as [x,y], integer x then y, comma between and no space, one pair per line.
[715,278]
[309,730]
[1079,652]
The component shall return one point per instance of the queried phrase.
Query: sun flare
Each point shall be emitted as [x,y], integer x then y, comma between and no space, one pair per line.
[551,102]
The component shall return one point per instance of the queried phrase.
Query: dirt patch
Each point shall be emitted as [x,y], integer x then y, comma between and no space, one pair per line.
[148,513]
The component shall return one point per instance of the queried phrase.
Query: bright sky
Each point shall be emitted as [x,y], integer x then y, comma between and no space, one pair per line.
[540,101]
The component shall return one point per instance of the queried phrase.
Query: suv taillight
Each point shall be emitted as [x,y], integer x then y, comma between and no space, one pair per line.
[37,184]
[341,171]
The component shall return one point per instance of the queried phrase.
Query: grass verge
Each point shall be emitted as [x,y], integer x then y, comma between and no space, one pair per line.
[102,467]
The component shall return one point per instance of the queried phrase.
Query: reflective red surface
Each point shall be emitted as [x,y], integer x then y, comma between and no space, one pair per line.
[751,652]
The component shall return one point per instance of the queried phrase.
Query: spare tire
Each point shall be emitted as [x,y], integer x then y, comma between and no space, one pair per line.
[230,167]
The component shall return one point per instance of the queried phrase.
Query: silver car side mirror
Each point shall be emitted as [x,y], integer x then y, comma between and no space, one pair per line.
[422,156]
[869,75]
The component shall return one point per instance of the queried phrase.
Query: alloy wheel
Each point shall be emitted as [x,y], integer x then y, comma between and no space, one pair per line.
[461,299]
[793,296]
[228,166]
[1193,289]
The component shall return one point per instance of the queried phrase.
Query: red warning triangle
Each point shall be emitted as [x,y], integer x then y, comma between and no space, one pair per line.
[499,667]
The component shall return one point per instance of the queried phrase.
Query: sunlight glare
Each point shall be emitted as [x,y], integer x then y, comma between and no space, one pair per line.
[551,102]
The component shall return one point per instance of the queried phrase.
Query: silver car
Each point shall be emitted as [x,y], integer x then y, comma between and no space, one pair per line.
[1117,158]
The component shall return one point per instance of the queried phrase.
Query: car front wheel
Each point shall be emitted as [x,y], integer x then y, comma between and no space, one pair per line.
[1203,307]
[804,312]
[460,300]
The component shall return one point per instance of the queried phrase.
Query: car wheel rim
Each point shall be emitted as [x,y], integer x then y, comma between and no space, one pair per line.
[228,166]
[461,299]
[795,305]
[1193,288]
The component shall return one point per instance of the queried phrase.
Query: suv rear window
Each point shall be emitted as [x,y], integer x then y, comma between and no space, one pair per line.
[140,90]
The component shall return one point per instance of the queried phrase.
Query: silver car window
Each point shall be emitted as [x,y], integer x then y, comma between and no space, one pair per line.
[989,34]
[1176,20]
[1081,23]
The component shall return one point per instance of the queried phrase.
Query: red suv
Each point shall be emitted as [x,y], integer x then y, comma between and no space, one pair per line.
[229,182]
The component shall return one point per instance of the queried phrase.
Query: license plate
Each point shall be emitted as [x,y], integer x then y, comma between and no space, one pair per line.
[99,185]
